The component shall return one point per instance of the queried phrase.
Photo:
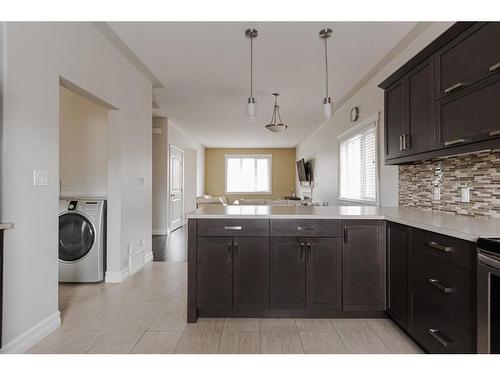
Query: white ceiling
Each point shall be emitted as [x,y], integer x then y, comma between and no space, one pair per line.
[204,67]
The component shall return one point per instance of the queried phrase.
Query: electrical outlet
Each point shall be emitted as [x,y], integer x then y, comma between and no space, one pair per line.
[465,194]
[436,193]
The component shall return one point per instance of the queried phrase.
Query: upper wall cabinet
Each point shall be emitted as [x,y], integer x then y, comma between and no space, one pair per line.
[444,100]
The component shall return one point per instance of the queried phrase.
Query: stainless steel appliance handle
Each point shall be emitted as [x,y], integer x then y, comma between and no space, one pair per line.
[454,87]
[437,335]
[232,227]
[494,67]
[437,284]
[488,261]
[435,245]
[454,142]
[305,228]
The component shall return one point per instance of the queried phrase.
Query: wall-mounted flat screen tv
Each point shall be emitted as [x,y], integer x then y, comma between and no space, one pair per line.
[302,170]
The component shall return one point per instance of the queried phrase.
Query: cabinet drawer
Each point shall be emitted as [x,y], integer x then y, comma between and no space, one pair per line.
[233,227]
[305,228]
[469,58]
[471,116]
[450,249]
[448,288]
[439,334]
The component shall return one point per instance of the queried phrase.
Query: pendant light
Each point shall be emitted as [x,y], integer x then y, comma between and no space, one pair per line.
[276,125]
[251,102]
[327,101]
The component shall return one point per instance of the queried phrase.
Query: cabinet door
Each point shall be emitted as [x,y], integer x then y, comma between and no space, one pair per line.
[214,272]
[398,288]
[395,118]
[420,134]
[324,274]
[251,273]
[363,259]
[288,272]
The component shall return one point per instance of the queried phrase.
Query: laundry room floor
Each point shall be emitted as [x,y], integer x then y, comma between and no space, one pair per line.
[147,314]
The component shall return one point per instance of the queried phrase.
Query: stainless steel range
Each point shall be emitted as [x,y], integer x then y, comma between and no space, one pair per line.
[488,296]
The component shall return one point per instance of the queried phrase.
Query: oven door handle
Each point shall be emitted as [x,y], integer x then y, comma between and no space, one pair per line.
[488,261]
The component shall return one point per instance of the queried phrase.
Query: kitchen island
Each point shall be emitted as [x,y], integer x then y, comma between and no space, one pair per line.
[416,266]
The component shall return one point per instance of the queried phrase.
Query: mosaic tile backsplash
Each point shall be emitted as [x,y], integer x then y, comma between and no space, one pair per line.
[479,171]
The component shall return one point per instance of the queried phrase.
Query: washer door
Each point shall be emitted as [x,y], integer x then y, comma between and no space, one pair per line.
[76,236]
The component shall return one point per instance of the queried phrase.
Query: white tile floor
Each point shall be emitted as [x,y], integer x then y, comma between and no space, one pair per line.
[147,314]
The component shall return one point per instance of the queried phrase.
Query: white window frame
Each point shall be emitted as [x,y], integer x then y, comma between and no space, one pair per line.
[351,133]
[269,157]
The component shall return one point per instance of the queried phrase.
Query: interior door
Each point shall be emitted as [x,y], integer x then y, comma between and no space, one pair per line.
[176,188]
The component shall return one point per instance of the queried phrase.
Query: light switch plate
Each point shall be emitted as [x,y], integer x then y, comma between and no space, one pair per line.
[141,180]
[465,194]
[40,178]
[436,193]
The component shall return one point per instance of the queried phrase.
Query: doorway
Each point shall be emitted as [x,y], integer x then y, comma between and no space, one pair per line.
[176,196]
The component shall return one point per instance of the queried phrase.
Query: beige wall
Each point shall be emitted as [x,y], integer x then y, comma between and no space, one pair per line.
[283,179]
[159,178]
[83,149]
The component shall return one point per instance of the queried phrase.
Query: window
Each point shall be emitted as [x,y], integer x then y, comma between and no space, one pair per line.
[358,164]
[248,174]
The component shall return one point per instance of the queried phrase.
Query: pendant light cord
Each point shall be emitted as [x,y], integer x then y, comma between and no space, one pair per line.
[326,65]
[251,67]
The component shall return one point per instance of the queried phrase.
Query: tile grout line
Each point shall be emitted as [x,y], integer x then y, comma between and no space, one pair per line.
[339,336]
[300,338]
[380,338]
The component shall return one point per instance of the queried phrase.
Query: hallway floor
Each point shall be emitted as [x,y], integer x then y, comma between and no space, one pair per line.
[147,314]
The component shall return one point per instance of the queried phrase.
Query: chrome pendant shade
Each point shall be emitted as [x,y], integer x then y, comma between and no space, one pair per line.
[276,125]
[251,102]
[327,101]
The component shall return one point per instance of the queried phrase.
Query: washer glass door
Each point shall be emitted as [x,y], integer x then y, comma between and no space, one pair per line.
[76,236]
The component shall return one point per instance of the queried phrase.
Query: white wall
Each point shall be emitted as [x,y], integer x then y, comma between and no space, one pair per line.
[322,146]
[83,146]
[192,174]
[36,56]
[160,179]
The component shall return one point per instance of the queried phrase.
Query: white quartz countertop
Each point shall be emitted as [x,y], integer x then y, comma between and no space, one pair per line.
[460,226]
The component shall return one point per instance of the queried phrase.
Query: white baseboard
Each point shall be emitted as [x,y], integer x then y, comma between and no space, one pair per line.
[160,232]
[27,339]
[148,257]
[116,276]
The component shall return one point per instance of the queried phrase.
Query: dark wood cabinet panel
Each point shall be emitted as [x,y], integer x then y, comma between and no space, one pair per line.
[233,227]
[420,134]
[288,272]
[398,297]
[214,272]
[469,58]
[470,116]
[363,258]
[324,273]
[251,273]
[305,228]
[395,118]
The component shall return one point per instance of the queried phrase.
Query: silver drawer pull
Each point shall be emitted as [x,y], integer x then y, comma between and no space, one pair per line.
[233,227]
[494,132]
[437,335]
[435,245]
[437,284]
[305,228]
[401,142]
[454,142]
[454,87]
[494,67]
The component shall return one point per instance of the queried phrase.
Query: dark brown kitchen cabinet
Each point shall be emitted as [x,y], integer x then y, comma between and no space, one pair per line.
[251,272]
[398,288]
[288,273]
[363,261]
[214,272]
[472,56]
[395,115]
[324,273]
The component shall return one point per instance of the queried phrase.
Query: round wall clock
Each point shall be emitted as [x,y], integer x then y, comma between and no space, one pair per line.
[354,114]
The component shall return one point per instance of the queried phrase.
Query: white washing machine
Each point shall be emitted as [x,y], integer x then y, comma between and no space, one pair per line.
[82,240]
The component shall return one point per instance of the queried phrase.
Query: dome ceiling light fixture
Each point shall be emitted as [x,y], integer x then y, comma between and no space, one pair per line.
[327,101]
[276,125]
[251,102]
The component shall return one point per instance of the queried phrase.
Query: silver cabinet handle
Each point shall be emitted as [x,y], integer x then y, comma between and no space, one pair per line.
[454,87]
[346,235]
[437,335]
[454,142]
[494,67]
[435,245]
[305,228]
[229,251]
[401,142]
[406,146]
[302,251]
[309,250]
[494,132]
[233,227]
[437,284]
